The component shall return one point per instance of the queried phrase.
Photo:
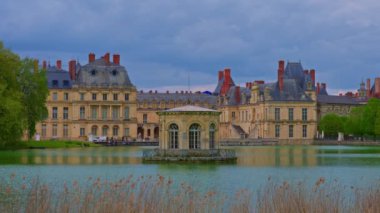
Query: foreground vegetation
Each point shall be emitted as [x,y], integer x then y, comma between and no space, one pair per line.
[49,144]
[159,194]
[363,121]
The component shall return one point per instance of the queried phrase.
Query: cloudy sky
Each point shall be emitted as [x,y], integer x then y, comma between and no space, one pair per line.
[163,42]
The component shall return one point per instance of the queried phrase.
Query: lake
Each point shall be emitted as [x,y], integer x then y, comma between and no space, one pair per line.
[357,166]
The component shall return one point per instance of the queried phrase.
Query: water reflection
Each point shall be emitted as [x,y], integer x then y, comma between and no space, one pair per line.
[260,156]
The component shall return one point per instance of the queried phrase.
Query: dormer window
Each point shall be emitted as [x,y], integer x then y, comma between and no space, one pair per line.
[93,72]
[114,72]
[55,83]
[65,83]
[309,85]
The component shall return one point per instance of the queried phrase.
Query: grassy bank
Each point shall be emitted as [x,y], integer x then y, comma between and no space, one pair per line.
[49,144]
[159,194]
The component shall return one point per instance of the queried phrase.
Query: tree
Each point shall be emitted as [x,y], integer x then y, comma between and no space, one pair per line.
[355,123]
[331,124]
[10,98]
[370,115]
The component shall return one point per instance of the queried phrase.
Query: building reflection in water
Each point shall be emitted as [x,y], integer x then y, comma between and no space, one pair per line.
[284,156]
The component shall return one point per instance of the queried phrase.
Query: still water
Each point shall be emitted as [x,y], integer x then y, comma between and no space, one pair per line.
[352,166]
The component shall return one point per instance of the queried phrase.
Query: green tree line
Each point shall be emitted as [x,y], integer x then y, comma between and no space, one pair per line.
[23,92]
[363,121]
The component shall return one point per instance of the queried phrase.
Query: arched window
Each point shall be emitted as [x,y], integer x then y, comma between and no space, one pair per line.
[105,131]
[173,136]
[212,136]
[94,130]
[195,136]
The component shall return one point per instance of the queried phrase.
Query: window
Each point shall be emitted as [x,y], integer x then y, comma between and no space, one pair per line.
[126,96]
[291,131]
[94,112]
[104,97]
[55,96]
[66,96]
[65,113]
[145,118]
[105,130]
[55,83]
[81,96]
[277,114]
[290,113]
[304,131]
[82,113]
[304,114]
[43,133]
[148,133]
[277,131]
[233,115]
[82,132]
[66,83]
[94,130]
[194,136]
[55,113]
[212,136]
[93,72]
[126,112]
[65,130]
[173,136]
[115,113]
[115,97]
[126,132]
[94,96]
[114,72]
[55,132]
[104,113]
[115,131]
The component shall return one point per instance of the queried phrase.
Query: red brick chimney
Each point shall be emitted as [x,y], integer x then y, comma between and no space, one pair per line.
[227,81]
[35,67]
[220,75]
[250,85]
[280,74]
[91,57]
[259,82]
[318,88]
[237,94]
[116,59]
[59,64]
[377,87]
[368,87]
[107,58]
[72,69]
[44,65]
[312,74]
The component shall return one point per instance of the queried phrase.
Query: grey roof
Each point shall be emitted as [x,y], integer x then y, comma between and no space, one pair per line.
[323,91]
[102,74]
[182,97]
[334,99]
[190,108]
[294,70]
[244,92]
[58,78]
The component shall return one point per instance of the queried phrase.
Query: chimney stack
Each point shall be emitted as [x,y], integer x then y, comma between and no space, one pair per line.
[318,88]
[227,81]
[72,69]
[377,87]
[324,86]
[91,57]
[237,94]
[312,74]
[107,58]
[220,75]
[35,67]
[116,59]
[280,74]
[59,64]
[44,65]
[368,87]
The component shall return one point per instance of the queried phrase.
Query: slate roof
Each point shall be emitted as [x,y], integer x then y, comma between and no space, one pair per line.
[190,108]
[335,99]
[58,78]
[244,92]
[102,74]
[182,97]
[220,84]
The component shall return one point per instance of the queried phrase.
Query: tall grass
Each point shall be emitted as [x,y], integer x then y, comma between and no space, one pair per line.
[160,194]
